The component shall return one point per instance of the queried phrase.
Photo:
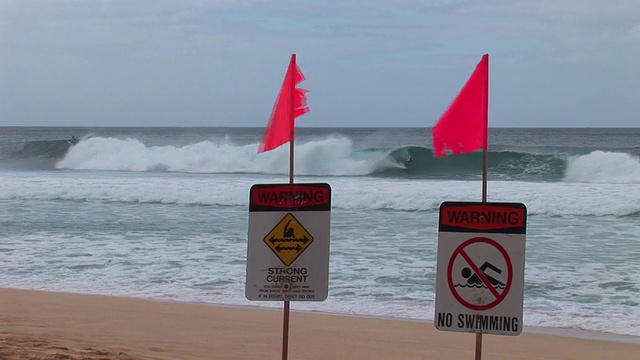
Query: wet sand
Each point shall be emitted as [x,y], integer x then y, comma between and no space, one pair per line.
[48,325]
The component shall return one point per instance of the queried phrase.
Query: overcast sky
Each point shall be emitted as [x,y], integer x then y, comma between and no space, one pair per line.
[367,62]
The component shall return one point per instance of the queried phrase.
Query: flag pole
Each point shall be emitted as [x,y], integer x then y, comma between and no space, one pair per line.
[485,139]
[286,309]
[485,166]
[292,114]
[485,161]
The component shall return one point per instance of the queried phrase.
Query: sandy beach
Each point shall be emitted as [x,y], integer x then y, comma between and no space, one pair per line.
[48,325]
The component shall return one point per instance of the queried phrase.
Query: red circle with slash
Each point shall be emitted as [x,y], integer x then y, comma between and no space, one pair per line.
[460,251]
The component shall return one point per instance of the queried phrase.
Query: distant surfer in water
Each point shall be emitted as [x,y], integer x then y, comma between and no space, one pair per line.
[74,140]
[408,162]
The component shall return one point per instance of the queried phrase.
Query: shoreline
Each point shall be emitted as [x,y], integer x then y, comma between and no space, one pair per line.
[54,325]
[565,332]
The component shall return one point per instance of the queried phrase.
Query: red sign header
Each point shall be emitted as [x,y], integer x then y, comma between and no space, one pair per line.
[485,217]
[290,196]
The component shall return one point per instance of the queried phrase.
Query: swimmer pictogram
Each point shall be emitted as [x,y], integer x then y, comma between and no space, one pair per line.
[480,282]
[288,239]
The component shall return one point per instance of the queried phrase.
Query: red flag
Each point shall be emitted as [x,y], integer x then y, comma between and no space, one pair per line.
[291,103]
[463,127]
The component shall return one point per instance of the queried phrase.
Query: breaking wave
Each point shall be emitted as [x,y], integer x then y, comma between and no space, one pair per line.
[336,156]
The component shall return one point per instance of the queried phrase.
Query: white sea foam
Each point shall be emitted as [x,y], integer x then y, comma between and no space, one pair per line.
[604,167]
[551,199]
[330,156]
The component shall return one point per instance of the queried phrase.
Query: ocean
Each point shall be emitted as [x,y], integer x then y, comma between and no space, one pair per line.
[162,213]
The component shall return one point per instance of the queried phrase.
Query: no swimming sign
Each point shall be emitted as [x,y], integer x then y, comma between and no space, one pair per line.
[480,272]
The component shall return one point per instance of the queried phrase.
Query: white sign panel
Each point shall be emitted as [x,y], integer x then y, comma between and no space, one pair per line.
[480,271]
[288,248]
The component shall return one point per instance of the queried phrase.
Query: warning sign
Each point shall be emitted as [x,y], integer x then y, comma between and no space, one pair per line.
[288,247]
[480,272]
[288,239]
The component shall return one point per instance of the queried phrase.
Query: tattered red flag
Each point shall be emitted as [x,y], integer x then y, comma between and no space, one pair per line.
[291,103]
[463,126]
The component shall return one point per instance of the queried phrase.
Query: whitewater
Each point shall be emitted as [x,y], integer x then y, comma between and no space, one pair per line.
[163,214]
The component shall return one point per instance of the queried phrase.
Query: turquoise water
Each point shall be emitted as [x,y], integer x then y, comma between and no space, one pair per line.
[163,214]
